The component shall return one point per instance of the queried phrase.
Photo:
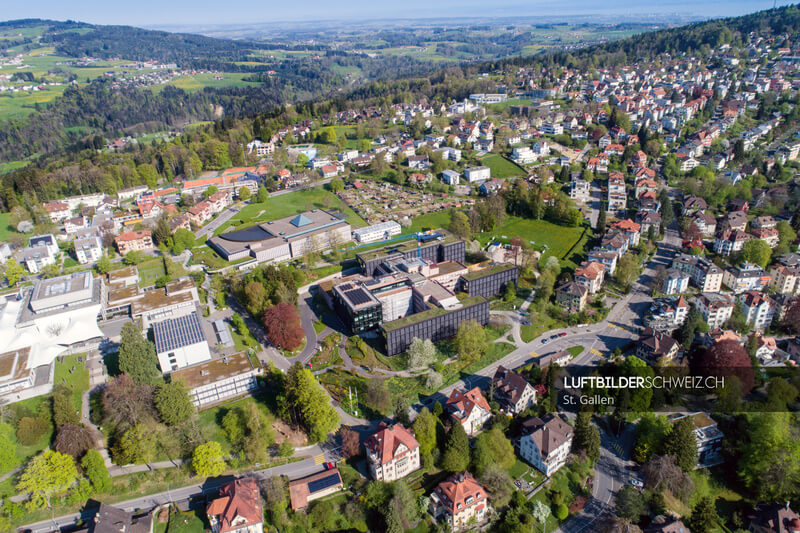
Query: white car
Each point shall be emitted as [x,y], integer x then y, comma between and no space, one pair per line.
[637,483]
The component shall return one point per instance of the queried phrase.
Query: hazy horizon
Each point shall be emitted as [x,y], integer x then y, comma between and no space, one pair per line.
[204,13]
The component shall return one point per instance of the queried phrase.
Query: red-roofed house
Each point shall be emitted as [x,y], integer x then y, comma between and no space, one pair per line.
[630,229]
[591,275]
[237,509]
[58,211]
[469,408]
[392,452]
[141,241]
[460,501]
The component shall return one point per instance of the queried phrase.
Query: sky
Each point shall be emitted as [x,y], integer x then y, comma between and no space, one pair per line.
[213,12]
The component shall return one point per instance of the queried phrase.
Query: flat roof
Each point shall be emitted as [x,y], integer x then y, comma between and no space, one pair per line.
[486,271]
[410,244]
[14,365]
[156,299]
[118,275]
[214,370]
[125,293]
[433,311]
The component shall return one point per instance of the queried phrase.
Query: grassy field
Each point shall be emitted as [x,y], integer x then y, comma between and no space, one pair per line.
[436,220]
[539,323]
[502,167]
[199,81]
[12,165]
[5,228]
[150,271]
[543,235]
[290,204]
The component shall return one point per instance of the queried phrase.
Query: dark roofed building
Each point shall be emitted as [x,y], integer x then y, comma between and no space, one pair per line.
[512,391]
[653,345]
[110,519]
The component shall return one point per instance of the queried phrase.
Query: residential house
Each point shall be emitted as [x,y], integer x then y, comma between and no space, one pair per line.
[654,345]
[745,277]
[571,296]
[630,229]
[768,235]
[140,240]
[512,391]
[469,408]
[450,177]
[708,437]
[591,275]
[704,274]
[706,223]
[392,453]
[649,219]
[667,314]
[730,241]
[758,309]
[676,281]
[58,211]
[88,249]
[460,502]
[545,443]
[735,220]
[774,518]
[473,174]
[110,519]
[785,279]
[238,508]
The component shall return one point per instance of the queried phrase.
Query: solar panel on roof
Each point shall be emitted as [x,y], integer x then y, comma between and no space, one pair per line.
[324,483]
[358,296]
[346,287]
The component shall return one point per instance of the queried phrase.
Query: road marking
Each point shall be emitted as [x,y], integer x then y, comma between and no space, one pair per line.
[534,354]
[319,459]
[595,351]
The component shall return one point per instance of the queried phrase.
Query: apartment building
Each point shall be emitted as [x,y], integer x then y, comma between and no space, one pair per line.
[392,453]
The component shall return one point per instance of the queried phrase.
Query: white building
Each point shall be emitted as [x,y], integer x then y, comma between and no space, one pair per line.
[676,281]
[474,174]
[180,342]
[392,453]
[758,309]
[88,249]
[377,232]
[715,308]
[546,443]
[450,177]
[523,155]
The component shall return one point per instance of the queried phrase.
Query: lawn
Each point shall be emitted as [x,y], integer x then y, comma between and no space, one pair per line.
[435,220]
[12,165]
[575,351]
[289,204]
[189,522]
[545,236]
[5,228]
[539,323]
[150,271]
[502,167]
[210,420]
[200,81]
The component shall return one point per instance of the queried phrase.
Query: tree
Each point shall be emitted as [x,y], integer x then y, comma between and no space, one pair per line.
[212,190]
[336,185]
[770,455]
[509,293]
[378,395]
[286,449]
[104,264]
[540,511]
[30,429]
[73,440]
[94,467]
[136,446]
[627,269]
[63,410]
[420,353]
[630,503]
[459,225]
[681,443]
[498,484]
[704,516]
[137,356]
[651,431]
[161,231]
[562,512]
[425,432]
[663,474]
[244,193]
[471,341]
[724,359]
[403,509]
[757,252]
[306,396]
[208,459]
[173,403]
[284,329]
[587,436]
[456,449]
[600,227]
[14,272]
[262,195]
[181,240]
[127,403]
[667,213]
[687,331]
[351,446]
[492,448]
[49,473]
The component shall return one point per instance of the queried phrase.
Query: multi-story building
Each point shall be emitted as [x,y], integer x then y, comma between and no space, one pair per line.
[667,314]
[88,249]
[704,274]
[591,275]
[58,211]
[237,509]
[141,241]
[473,174]
[768,235]
[676,281]
[758,308]
[571,296]
[785,279]
[715,308]
[709,439]
[435,246]
[490,280]
[460,502]
[545,443]
[392,453]
[745,277]
[512,391]
[653,346]
[218,380]
[730,241]
[180,342]
[469,408]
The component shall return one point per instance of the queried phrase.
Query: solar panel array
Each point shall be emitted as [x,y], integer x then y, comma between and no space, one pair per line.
[324,483]
[358,296]
[178,332]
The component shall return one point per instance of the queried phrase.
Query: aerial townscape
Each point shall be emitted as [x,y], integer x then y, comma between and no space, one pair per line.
[500,274]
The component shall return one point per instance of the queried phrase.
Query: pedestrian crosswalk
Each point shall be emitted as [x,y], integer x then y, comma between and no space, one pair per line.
[595,351]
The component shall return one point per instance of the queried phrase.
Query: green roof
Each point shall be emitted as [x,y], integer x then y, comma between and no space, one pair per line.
[494,269]
[405,246]
[433,311]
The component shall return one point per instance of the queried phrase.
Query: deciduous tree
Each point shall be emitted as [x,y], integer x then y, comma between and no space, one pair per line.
[137,356]
[421,352]
[351,446]
[208,459]
[425,432]
[173,403]
[127,403]
[470,341]
[757,252]
[456,449]
[73,440]
[94,467]
[492,448]
[48,474]
[310,402]
[282,322]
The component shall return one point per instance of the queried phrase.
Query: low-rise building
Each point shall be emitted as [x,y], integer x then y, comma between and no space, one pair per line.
[88,249]
[217,380]
[591,275]
[653,346]
[473,174]
[180,342]
[392,453]
[313,487]
[469,408]
[460,502]
[512,391]
[377,232]
[545,443]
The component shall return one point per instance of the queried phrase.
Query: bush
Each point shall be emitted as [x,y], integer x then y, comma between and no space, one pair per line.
[562,512]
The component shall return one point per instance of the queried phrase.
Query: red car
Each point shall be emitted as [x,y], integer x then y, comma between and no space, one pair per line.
[562,334]
[328,466]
